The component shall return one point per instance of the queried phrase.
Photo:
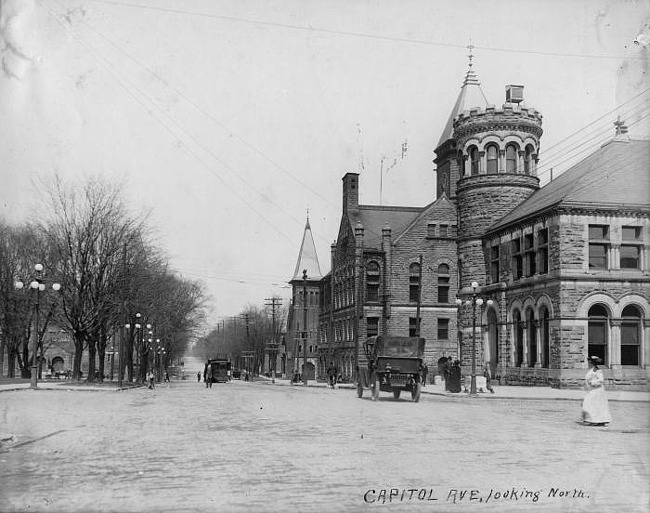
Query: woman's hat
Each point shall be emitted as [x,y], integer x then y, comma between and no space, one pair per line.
[595,359]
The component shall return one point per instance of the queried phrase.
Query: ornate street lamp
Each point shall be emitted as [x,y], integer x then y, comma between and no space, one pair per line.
[37,285]
[136,326]
[475,301]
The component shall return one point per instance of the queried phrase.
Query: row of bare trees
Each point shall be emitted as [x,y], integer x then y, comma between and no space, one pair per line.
[108,268]
[245,338]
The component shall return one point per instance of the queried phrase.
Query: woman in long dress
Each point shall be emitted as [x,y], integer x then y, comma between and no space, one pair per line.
[595,408]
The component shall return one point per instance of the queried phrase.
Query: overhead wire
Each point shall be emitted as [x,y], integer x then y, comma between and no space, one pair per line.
[209,115]
[185,12]
[107,65]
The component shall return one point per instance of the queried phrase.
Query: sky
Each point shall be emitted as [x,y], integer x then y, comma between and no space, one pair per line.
[231,121]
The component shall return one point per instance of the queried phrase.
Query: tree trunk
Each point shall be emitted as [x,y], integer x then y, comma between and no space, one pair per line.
[101,352]
[129,356]
[78,353]
[92,353]
[3,348]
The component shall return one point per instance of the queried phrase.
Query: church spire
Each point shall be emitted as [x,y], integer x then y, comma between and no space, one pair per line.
[307,258]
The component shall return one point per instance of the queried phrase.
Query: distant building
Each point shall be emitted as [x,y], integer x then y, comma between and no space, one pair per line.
[302,322]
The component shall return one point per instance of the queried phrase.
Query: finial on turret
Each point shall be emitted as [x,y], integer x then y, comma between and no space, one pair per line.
[470,47]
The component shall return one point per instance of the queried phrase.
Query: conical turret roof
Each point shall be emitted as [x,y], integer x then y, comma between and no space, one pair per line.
[471,95]
[307,258]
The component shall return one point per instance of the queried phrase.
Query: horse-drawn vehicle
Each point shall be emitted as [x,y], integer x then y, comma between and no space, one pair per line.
[395,364]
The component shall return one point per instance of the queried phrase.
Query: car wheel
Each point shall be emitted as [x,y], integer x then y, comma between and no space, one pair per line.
[374,387]
[415,393]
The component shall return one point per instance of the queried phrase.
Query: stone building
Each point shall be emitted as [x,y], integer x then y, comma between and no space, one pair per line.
[390,266]
[566,267]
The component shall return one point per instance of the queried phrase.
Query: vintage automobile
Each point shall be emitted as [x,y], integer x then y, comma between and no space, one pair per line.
[394,364]
[221,370]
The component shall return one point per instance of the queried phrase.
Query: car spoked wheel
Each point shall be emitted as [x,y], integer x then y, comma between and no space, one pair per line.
[415,393]
[374,387]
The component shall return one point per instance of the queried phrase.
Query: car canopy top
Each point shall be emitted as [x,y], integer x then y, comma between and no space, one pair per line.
[397,347]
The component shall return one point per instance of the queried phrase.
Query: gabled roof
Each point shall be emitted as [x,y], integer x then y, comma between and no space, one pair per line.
[443,208]
[375,217]
[307,258]
[614,176]
[471,95]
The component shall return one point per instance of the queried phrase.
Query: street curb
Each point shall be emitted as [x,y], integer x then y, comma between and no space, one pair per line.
[466,396]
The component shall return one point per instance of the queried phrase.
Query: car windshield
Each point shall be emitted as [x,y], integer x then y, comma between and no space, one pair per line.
[400,347]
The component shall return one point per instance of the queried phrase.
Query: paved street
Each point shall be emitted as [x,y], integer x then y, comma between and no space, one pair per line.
[259,447]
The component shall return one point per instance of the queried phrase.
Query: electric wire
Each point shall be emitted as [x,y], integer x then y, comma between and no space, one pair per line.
[168,10]
[174,135]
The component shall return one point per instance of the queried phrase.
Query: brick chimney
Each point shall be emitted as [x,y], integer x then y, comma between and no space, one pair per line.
[350,192]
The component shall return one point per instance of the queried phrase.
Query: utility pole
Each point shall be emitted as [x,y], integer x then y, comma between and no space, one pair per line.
[273,350]
[306,332]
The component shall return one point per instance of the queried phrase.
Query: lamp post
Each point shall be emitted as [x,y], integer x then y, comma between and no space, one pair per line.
[475,301]
[37,285]
[136,326]
[304,345]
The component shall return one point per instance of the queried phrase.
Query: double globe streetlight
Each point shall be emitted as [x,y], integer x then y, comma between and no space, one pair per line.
[475,301]
[37,285]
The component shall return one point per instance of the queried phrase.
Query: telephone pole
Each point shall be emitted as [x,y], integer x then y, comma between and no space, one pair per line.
[275,302]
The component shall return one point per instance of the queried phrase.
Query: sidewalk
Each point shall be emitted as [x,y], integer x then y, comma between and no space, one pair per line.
[501,392]
[9,384]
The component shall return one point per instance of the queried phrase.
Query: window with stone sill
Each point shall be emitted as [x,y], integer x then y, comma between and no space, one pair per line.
[598,333]
[372,326]
[413,327]
[474,160]
[599,246]
[443,283]
[372,282]
[494,264]
[631,245]
[443,329]
[530,257]
[630,336]
[444,230]
[517,261]
[528,160]
[414,283]
[492,159]
[511,158]
[542,251]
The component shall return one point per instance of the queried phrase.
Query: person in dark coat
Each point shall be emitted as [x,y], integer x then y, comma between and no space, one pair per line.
[455,378]
[446,373]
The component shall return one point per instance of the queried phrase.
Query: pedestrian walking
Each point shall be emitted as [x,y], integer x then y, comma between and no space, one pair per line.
[595,408]
[488,378]
[446,373]
[166,377]
[150,379]
[425,371]
[455,378]
[208,375]
[331,375]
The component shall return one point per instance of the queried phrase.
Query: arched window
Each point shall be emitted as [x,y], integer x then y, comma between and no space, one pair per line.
[492,159]
[528,160]
[519,338]
[511,158]
[544,337]
[372,281]
[474,159]
[598,332]
[630,336]
[414,283]
[443,283]
[532,338]
[493,340]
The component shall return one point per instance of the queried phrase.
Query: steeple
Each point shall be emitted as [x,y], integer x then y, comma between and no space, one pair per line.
[307,258]
[471,95]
